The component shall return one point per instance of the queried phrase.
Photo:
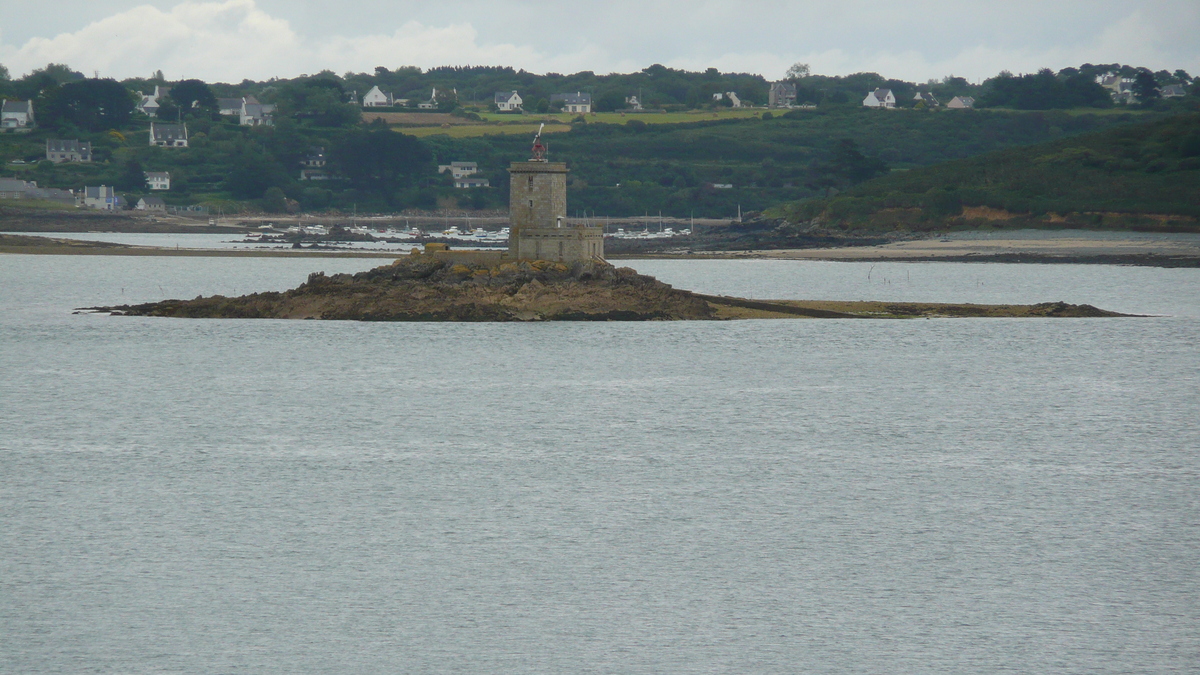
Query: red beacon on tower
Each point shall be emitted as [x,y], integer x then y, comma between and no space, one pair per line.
[539,150]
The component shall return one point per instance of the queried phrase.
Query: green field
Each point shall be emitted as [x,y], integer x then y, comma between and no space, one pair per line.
[503,124]
[621,118]
[477,130]
[1104,112]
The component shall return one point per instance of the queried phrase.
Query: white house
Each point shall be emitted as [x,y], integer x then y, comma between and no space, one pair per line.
[507,101]
[168,135]
[102,197]
[732,96]
[1120,88]
[15,188]
[468,183]
[459,169]
[1116,84]
[315,159]
[880,98]
[256,114]
[926,98]
[150,102]
[16,115]
[633,103]
[65,197]
[961,103]
[59,150]
[151,204]
[431,104]
[578,102]
[1173,91]
[230,106]
[158,180]
[378,98]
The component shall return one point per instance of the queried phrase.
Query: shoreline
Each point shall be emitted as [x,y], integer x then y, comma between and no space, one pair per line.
[1131,260]
[1038,247]
[732,308]
[1132,249]
[431,288]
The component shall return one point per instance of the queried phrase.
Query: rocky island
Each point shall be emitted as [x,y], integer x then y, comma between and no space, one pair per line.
[422,288]
[428,288]
[553,270]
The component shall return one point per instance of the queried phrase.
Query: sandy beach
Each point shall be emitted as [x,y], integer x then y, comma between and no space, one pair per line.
[1062,246]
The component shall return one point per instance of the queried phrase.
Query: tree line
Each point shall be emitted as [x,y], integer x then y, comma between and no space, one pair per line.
[617,169]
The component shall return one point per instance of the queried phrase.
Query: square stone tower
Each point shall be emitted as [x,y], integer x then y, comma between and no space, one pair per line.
[537,203]
[537,194]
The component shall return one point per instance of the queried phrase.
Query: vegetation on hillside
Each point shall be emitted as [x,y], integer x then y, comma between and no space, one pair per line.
[633,169]
[1144,175]
[620,167]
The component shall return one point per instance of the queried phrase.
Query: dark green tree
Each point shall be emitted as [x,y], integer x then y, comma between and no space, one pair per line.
[855,166]
[59,72]
[32,86]
[320,101]
[193,93]
[1044,90]
[94,105]
[274,201]
[168,111]
[254,171]
[845,166]
[1145,87]
[131,177]
[380,160]
[610,101]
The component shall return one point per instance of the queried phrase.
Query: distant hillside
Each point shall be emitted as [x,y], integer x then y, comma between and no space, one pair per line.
[635,168]
[644,165]
[1140,176]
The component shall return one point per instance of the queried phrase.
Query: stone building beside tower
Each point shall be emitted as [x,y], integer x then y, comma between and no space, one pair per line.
[537,205]
[538,227]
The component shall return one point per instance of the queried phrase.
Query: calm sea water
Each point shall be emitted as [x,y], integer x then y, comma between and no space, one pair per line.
[225,240]
[929,496]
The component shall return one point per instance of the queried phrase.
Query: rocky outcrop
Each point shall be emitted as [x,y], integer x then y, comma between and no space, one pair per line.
[423,288]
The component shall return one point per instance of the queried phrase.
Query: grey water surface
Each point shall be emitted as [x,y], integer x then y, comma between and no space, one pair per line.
[924,496]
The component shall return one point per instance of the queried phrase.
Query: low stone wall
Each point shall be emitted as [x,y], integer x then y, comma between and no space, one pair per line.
[468,258]
[561,244]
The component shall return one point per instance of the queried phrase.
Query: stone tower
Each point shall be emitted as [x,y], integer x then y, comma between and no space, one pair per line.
[537,194]
[537,203]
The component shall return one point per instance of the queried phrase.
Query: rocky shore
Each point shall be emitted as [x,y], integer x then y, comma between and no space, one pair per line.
[424,288]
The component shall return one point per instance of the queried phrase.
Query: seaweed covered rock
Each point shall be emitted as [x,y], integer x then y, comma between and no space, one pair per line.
[424,288]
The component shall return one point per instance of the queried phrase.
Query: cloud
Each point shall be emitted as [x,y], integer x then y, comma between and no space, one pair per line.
[234,39]
[191,39]
[229,40]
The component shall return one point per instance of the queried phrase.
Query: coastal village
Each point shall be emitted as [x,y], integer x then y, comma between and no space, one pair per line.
[167,129]
[453,337]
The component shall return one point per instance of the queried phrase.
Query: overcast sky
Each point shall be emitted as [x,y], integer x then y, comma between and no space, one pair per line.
[230,40]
